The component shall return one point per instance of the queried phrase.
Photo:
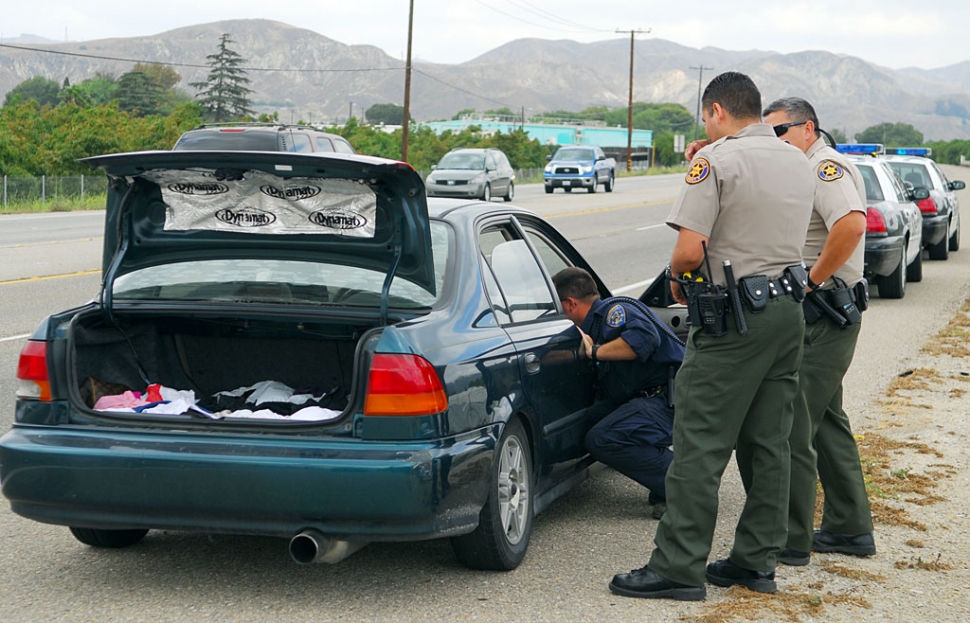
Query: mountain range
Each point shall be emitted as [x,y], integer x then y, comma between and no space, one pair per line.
[305,75]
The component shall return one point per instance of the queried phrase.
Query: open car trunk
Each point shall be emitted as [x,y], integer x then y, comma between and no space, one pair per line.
[209,355]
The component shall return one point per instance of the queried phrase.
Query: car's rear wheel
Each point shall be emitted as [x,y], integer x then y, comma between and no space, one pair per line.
[511,192]
[955,239]
[940,250]
[914,272]
[114,539]
[609,183]
[505,524]
[893,286]
[487,193]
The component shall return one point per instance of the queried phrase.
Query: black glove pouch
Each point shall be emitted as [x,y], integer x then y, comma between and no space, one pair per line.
[754,292]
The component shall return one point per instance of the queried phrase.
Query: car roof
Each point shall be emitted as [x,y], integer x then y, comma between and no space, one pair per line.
[176,206]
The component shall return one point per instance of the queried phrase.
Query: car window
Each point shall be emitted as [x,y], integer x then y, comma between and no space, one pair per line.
[342,146]
[548,253]
[574,154]
[897,184]
[490,162]
[463,160]
[499,305]
[228,140]
[285,282]
[521,281]
[323,143]
[873,191]
[299,142]
[915,174]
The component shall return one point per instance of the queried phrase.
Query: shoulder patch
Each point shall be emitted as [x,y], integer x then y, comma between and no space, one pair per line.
[616,317]
[830,171]
[699,170]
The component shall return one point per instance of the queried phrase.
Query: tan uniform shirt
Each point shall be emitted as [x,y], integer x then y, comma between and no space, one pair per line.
[839,190]
[751,194]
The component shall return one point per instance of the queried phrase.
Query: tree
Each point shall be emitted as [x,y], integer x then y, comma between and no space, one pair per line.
[42,90]
[138,94]
[224,94]
[388,114]
[891,135]
[838,135]
[164,76]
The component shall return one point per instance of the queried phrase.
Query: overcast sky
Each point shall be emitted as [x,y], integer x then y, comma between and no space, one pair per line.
[892,33]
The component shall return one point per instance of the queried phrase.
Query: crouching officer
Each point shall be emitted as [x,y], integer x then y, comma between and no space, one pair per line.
[821,438]
[636,357]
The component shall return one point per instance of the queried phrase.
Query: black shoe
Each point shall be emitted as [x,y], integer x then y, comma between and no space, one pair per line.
[851,544]
[658,510]
[647,583]
[794,558]
[726,573]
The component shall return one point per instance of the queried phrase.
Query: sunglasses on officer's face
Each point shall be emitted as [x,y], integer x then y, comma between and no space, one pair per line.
[782,128]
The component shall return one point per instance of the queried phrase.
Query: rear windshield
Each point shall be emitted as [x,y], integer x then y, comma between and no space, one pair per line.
[915,174]
[873,191]
[228,140]
[285,282]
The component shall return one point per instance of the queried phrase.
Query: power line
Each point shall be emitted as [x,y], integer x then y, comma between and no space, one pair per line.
[525,21]
[531,8]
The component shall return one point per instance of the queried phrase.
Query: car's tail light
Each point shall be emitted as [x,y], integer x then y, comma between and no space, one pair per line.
[403,385]
[33,381]
[927,206]
[875,223]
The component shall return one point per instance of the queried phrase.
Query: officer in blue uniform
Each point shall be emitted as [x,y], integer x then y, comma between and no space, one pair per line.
[636,356]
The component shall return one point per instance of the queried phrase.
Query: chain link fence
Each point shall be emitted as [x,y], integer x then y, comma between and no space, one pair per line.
[49,188]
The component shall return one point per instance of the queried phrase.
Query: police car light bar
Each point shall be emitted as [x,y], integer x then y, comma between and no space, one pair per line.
[910,151]
[860,148]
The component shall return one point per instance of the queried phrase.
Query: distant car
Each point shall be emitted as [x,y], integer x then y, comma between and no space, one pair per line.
[579,166]
[894,228]
[480,173]
[262,137]
[431,330]
[941,210]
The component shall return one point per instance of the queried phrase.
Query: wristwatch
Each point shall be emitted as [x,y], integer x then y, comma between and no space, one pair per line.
[813,285]
[592,352]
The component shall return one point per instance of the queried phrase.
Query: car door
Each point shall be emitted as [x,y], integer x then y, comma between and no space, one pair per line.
[558,384]
[493,175]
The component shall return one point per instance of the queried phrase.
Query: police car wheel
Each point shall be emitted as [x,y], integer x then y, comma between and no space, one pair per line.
[955,240]
[114,539]
[501,539]
[893,286]
[940,250]
[914,272]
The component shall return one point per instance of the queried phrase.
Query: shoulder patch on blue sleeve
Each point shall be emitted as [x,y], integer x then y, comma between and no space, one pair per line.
[616,317]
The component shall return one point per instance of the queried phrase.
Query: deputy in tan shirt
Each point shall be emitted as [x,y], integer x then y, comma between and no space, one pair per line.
[748,196]
[821,440]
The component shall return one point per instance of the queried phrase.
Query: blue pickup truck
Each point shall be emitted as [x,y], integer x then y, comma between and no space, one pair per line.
[579,166]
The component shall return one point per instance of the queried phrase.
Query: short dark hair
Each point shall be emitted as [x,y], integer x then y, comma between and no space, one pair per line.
[574,282]
[796,108]
[736,93]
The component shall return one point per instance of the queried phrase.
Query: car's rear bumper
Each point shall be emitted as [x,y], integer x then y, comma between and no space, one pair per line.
[115,479]
[935,229]
[882,255]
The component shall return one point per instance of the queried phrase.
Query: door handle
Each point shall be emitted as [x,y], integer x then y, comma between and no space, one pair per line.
[532,363]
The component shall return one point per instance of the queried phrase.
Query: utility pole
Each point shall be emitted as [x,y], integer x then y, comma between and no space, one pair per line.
[407,89]
[629,115]
[700,76]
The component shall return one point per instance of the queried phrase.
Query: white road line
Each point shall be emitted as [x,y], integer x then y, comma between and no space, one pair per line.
[651,226]
[14,337]
[633,286]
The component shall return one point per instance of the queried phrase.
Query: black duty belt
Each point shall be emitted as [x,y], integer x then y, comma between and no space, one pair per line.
[780,286]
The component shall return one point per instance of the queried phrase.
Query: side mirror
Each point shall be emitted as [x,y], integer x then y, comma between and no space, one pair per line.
[433,167]
[956,185]
[920,193]
[548,157]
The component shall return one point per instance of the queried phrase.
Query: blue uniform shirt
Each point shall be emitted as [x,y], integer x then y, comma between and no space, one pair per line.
[656,351]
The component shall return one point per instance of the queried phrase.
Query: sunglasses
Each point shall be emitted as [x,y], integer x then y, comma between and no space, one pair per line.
[782,128]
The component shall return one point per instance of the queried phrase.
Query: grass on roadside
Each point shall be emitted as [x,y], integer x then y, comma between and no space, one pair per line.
[55,204]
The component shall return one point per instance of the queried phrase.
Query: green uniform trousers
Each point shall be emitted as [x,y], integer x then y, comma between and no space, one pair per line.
[732,391]
[821,440]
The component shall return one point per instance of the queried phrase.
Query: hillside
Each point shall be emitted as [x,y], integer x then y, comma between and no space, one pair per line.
[305,75]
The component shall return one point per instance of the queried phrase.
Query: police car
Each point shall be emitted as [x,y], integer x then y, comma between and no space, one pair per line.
[941,210]
[894,226]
